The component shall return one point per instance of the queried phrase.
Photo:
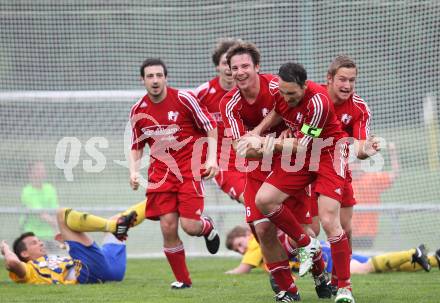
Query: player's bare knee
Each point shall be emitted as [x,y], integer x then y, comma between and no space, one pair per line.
[263,202]
[331,227]
[169,229]
[265,230]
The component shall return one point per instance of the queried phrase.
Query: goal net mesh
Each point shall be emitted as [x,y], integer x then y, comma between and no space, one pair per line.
[69,73]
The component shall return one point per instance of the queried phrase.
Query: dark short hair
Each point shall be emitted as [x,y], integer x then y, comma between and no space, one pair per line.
[153,62]
[236,232]
[244,48]
[293,72]
[221,48]
[339,62]
[19,246]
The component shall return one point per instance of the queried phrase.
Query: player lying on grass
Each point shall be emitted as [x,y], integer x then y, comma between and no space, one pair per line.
[28,261]
[241,240]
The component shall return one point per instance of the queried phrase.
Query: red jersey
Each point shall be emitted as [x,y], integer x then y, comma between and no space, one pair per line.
[355,116]
[239,116]
[210,93]
[170,128]
[313,117]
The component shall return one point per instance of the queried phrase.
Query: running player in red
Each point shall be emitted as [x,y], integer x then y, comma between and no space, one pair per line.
[229,179]
[320,152]
[171,122]
[354,115]
[242,109]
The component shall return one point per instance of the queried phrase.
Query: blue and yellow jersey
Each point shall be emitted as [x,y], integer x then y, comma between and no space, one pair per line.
[253,256]
[50,269]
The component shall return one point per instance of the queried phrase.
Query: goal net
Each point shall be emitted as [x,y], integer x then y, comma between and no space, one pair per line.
[69,73]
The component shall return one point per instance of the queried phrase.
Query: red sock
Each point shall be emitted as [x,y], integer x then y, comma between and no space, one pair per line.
[318,264]
[206,226]
[176,259]
[281,273]
[291,250]
[286,221]
[341,259]
[334,280]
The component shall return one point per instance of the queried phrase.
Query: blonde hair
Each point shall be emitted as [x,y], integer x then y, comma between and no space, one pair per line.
[339,62]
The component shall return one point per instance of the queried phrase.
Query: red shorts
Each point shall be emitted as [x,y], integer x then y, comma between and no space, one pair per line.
[185,198]
[348,199]
[327,181]
[297,204]
[231,182]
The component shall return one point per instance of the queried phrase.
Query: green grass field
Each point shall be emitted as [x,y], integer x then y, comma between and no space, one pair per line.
[147,280]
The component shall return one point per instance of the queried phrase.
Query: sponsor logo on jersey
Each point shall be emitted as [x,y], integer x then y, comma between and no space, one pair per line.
[212,91]
[346,118]
[299,118]
[143,105]
[160,130]
[264,111]
[172,116]
[338,191]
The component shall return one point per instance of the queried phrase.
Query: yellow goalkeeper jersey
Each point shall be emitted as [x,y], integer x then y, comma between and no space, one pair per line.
[50,269]
[253,255]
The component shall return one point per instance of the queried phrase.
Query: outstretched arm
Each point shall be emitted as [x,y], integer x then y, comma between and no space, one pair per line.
[12,262]
[271,120]
[243,268]
[253,146]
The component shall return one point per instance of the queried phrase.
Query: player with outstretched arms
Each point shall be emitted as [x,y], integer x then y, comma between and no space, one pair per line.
[171,122]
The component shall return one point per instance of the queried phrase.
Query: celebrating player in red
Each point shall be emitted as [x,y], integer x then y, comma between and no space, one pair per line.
[243,108]
[320,150]
[171,121]
[229,179]
[355,117]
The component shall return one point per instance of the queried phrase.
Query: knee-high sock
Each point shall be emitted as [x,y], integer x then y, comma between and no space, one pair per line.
[334,279]
[206,227]
[286,221]
[282,275]
[85,222]
[318,264]
[340,250]
[176,259]
[139,208]
[290,248]
[392,261]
